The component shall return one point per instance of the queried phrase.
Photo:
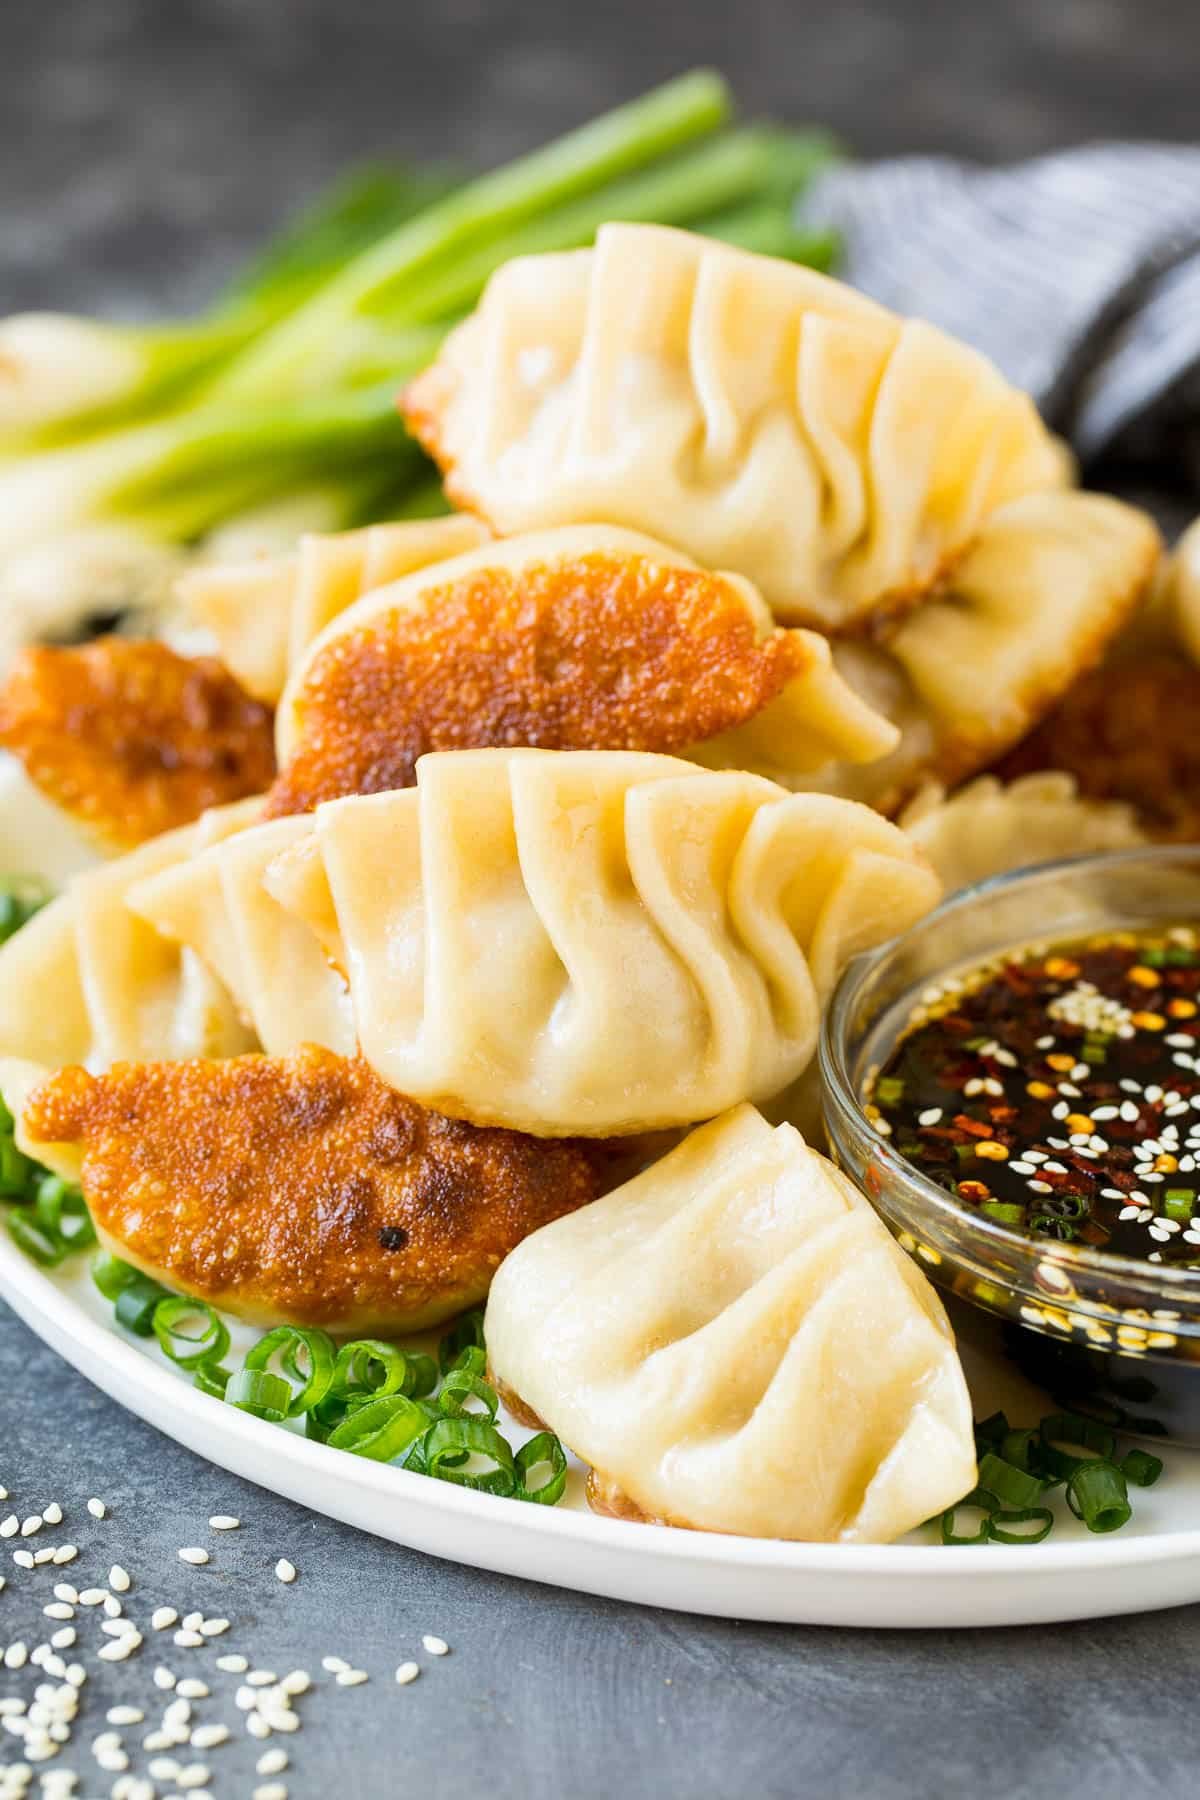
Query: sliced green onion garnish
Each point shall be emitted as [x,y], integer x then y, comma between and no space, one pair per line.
[1097,1494]
[259,1392]
[462,1384]
[136,1303]
[1141,1468]
[991,1432]
[454,1444]
[977,1498]
[189,1332]
[297,1346]
[1005,1212]
[466,1333]
[369,1364]
[1022,1449]
[544,1450]
[381,1429]
[110,1274]
[1178,1203]
[421,1376]
[212,1379]
[889,1090]
[1012,1487]
[1000,1524]
[1060,1431]
[37,1244]
[17,1171]
[61,1211]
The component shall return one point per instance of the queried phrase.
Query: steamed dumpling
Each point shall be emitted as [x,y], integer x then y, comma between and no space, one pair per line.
[264,612]
[1177,604]
[1047,584]
[989,827]
[595,943]
[734,1342]
[584,638]
[87,981]
[214,905]
[757,414]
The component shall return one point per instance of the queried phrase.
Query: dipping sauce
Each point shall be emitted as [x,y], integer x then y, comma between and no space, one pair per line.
[1057,1092]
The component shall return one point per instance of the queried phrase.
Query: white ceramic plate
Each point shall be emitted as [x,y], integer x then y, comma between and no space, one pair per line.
[1153,1562]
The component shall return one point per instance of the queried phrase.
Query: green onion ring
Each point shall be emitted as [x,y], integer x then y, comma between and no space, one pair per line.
[1096,1493]
[61,1211]
[110,1274]
[136,1303]
[421,1376]
[212,1379]
[1020,1515]
[381,1428]
[544,1448]
[288,1341]
[461,1384]
[1012,1487]
[185,1347]
[1094,1439]
[987,1503]
[444,1455]
[370,1365]
[1141,1468]
[259,1392]
[17,1171]
[466,1333]
[991,1432]
[37,1244]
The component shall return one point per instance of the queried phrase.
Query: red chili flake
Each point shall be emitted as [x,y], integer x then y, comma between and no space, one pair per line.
[973,1127]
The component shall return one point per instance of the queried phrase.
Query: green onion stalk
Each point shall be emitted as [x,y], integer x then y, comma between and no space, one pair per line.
[279,404]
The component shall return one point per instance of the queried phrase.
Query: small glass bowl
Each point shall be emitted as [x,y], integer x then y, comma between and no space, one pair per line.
[1110,1335]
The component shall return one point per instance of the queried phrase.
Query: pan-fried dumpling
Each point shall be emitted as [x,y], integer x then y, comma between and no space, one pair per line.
[970,670]
[295,1188]
[583,638]
[126,739]
[87,981]
[734,1342]
[264,612]
[214,903]
[757,414]
[989,827]
[594,943]
[1176,610]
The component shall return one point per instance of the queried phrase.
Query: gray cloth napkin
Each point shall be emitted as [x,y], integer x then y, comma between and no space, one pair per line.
[1078,273]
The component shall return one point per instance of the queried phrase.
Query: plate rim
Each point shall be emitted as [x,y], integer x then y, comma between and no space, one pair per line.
[92,1348]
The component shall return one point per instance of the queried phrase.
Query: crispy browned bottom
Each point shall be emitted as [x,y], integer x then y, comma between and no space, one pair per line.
[302,1188]
[605,652]
[131,738]
[1127,731]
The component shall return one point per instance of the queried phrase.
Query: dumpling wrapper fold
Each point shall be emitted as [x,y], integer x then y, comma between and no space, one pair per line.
[594,943]
[759,415]
[734,1342]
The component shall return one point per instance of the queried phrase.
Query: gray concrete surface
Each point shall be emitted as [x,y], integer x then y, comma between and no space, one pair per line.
[142,146]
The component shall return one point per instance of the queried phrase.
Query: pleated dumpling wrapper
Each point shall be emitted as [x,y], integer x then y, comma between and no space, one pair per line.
[1032,605]
[214,906]
[594,943]
[760,415]
[990,826]
[1176,611]
[582,638]
[263,612]
[88,981]
[734,1342]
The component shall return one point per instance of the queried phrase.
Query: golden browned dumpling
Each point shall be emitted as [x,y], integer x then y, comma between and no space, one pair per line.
[585,638]
[1129,731]
[130,739]
[300,1188]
